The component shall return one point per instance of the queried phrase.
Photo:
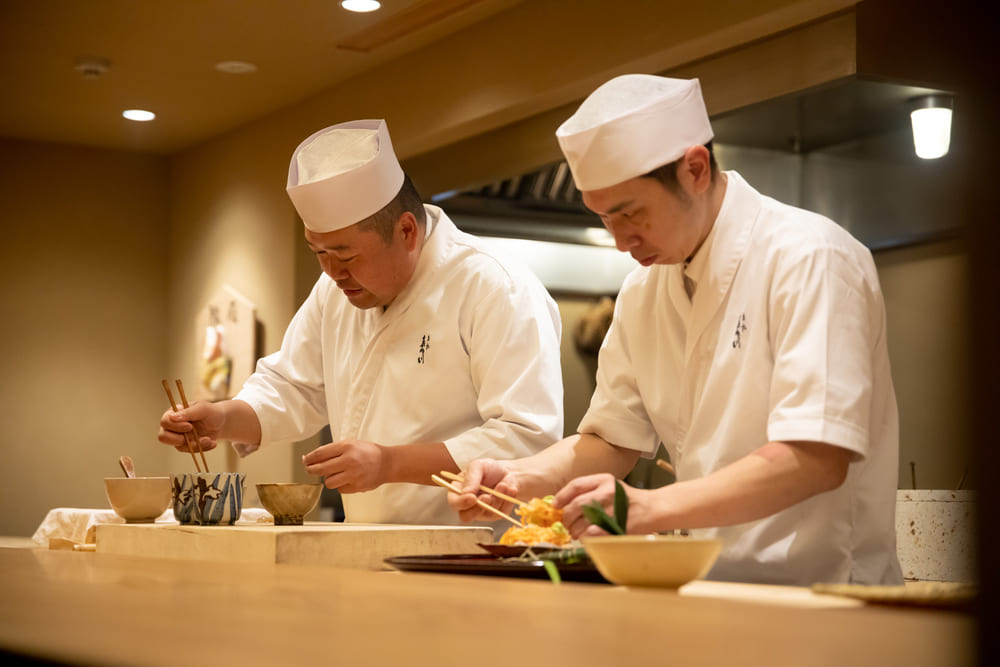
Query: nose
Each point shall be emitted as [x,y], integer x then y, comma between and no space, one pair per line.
[625,239]
[331,267]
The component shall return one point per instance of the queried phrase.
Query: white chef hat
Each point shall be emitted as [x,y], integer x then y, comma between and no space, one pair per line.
[631,125]
[343,174]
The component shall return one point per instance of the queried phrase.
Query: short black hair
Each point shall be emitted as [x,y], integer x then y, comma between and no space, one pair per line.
[384,221]
[667,174]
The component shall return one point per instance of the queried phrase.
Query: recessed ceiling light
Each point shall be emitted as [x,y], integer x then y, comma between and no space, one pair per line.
[138,114]
[236,67]
[91,67]
[360,5]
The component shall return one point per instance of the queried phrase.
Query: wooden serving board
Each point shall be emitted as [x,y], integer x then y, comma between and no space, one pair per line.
[785,596]
[346,545]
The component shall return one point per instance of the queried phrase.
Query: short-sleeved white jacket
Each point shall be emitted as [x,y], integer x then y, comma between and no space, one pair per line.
[783,340]
[467,354]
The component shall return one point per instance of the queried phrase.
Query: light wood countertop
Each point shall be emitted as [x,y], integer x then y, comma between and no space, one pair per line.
[111,609]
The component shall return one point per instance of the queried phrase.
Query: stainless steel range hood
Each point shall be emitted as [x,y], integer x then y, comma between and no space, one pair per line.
[843,149]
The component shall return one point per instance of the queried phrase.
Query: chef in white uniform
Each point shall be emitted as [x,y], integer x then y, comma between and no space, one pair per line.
[420,348]
[751,343]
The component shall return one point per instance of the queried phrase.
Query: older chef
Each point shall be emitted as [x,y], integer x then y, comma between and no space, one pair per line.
[419,347]
[751,342]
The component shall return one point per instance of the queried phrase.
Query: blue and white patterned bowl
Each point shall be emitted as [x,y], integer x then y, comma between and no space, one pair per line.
[208,498]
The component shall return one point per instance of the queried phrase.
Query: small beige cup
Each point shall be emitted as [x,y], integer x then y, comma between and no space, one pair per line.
[138,499]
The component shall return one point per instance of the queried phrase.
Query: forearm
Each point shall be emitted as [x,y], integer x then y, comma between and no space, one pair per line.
[415,463]
[240,422]
[772,478]
[581,454]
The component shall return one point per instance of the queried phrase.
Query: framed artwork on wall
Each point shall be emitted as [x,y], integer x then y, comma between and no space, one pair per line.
[227,346]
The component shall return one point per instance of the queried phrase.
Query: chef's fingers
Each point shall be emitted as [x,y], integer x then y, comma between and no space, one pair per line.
[171,422]
[580,486]
[468,509]
[464,504]
[206,444]
[473,477]
[337,480]
[489,473]
[325,468]
[196,412]
[172,432]
[591,531]
[322,453]
[576,525]
[171,438]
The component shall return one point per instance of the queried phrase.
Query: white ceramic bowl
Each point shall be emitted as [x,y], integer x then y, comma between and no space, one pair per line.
[289,502]
[665,561]
[138,499]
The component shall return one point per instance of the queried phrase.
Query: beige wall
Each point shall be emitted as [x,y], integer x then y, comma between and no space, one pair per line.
[230,223]
[83,287]
[928,308]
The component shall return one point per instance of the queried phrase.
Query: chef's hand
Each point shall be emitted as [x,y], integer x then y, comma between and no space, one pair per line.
[584,490]
[496,475]
[207,417]
[350,466]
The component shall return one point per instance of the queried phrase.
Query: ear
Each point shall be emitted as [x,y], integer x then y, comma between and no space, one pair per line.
[696,170]
[408,231]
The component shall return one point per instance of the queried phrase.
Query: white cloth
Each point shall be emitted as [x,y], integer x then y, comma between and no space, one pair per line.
[79,525]
[343,174]
[467,354]
[631,125]
[784,340]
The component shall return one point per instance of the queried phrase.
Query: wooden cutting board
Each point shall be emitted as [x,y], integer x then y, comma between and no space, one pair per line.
[785,596]
[358,546]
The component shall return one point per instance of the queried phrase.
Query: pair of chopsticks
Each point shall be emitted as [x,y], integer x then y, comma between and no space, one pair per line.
[188,437]
[454,489]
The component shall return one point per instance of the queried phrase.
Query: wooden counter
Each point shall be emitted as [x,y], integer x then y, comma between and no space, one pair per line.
[109,609]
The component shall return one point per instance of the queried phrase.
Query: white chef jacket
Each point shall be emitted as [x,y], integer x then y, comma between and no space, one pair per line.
[467,354]
[784,339]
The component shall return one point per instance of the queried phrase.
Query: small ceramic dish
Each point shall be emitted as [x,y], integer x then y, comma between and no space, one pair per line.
[289,502]
[665,561]
[138,499]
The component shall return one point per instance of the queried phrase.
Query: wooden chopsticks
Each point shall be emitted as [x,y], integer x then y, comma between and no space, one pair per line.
[457,491]
[666,466]
[502,496]
[187,436]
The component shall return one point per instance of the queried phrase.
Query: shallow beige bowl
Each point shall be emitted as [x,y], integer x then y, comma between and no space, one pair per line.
[289,502]
[138,499]
[665,561]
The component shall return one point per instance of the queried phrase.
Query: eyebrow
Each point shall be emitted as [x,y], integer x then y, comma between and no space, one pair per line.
[616,208]
[336,248]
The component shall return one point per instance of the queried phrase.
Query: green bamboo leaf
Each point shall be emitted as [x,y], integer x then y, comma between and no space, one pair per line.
[570,556]
[552,570]
[621,505]
[595,514]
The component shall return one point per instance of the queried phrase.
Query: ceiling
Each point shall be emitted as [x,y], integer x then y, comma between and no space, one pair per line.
[161,56]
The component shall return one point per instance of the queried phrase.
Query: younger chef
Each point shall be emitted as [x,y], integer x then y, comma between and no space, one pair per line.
[419,347]
[751,342]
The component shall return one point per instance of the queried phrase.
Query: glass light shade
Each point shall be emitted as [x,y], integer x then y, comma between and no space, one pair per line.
[931,131]
[138,114]
[360,5]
